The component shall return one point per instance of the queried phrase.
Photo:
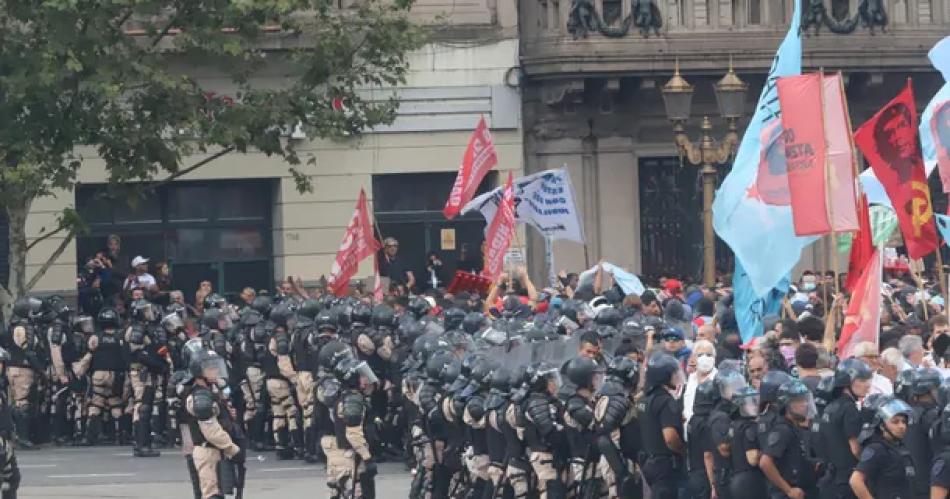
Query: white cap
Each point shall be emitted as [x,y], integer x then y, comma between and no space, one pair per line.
[139,260]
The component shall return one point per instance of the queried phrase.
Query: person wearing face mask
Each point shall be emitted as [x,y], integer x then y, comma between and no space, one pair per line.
[809,281]
[705,354]
[788,341]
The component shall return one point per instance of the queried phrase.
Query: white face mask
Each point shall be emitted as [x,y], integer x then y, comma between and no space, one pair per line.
[705,363]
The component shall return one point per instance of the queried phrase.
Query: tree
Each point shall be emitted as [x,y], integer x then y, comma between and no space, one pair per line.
[100,75]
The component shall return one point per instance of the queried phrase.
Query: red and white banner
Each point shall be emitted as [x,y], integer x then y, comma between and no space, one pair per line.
[841,191]
[805,152]
[862,322]
[499,234]
[358,243]
[479,159]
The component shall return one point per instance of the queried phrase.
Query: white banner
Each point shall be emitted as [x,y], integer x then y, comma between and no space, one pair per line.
[544,200]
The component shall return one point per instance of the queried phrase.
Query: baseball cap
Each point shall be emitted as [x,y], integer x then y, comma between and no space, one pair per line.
[673,333]
[139,260]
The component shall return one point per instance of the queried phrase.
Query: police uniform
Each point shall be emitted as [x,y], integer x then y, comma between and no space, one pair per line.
[663,469]
[144,372]
[208,420]
[541,431]
[22,375]
[888,469]
[107,364]
[787,445]
[358,471]
[840,422]
[253,350]
[747,480]
[282,405]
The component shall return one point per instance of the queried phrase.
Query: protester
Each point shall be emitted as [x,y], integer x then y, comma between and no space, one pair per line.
[140,278]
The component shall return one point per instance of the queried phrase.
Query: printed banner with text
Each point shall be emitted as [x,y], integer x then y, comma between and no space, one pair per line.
[358,243]
[544,200]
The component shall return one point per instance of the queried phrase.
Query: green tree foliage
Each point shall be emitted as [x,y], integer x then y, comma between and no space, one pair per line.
[116,80]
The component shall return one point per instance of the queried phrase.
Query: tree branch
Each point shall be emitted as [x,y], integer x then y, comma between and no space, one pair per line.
[49,261]
[193,167]
[45,237]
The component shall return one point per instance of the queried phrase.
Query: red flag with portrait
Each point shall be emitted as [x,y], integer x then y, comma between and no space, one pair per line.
[478,160]
[890,142]
[862,321]
[499,233]
[358,243]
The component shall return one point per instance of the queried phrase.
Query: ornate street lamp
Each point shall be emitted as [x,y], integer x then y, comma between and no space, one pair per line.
[730,96]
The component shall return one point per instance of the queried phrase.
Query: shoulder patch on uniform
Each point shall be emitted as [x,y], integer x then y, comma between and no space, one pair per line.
[867,453]
[937,467]
[774,437]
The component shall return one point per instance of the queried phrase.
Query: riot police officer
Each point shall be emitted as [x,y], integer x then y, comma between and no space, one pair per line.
[9,470]
[62,355]
[279,370]
[145,369]
[357,382]
[584,378]
[541,428]
[617,437]
[107,362]
[698,448]
[24,366]
[886,468]
[925,413]
[786,460]
[746,480]
[209,419]
[661,427]
[254,355]
[841,424]
[305,367]
[940,440]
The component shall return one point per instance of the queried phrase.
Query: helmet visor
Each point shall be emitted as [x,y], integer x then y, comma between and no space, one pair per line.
[213,368]
[895,407]
[85,324]
[802,407]
[749,406]
[364,371]
[173,323]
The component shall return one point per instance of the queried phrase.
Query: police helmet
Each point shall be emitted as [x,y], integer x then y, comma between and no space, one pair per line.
[211,318]
[453,318]
[746,401]
[108,318]
[214,300]
[326,320]
[928,382]
[282,316]
[890,408]
[331,353]
[707,396]
[27,307]
[580,371]
[540,374]
[768,389]
[473,322]
[263,305]
[350,370]
[851,370]
[384,317]
[905,383]
[443,367]
[5,356]
[793,391]
[608,316]
[309,309]
[419,307]
[143,310]
[624,369]
[361,315]
[662,368]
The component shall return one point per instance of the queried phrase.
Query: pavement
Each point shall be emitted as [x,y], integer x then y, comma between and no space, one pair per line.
[112,472]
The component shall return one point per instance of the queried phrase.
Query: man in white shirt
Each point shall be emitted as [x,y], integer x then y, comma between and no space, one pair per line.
[139,278]
[880,383]
[705,354]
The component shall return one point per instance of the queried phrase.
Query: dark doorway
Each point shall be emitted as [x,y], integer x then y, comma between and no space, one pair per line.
[408,207]
[671,221]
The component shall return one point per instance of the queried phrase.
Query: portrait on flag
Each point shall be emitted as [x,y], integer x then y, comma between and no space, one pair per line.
[890,143]
[771,182]
[939,124]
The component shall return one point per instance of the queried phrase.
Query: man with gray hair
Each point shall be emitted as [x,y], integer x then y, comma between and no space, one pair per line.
[705,353]
[912,349]
[868,352]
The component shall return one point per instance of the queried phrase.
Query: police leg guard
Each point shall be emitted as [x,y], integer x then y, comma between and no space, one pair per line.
[441,479]
[227,477]
[142,449]
[368,486]
[284,452]
[21,421]
[125,429]
[297,441]
[193,475]
[310,445]
[93,429]
[257,430]
[613,457]
[556,489]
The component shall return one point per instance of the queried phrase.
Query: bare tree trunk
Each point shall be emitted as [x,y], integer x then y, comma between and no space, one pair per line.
[17,211]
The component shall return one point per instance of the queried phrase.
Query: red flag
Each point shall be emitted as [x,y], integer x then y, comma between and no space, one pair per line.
[500,231]
[891,145]
[378,287]
[842,192]
[862,247]
[479,159]
[358,243]
[805,152]
[863,320]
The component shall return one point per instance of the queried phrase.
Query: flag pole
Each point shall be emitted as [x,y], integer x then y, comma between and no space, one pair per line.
[829,205]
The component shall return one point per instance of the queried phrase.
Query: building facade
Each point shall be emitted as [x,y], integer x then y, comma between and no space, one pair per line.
[240,221]
[592,71]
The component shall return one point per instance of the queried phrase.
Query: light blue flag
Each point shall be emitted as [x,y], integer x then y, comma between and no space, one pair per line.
[629,283]
[935,122]
[943,225]
[760,230]
[751,308]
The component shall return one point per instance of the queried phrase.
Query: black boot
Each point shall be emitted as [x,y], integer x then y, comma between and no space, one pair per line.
[193,474]
[368,486]
[93,428]
[258,434]
[21,420]
[284,452]
[297,440]
[310,445]
[142,447]
[125,430]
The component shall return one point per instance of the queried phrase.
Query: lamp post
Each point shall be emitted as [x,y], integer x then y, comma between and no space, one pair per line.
[730,96]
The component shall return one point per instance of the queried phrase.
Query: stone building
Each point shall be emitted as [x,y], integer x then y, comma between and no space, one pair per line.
[591,77]
[240,221]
